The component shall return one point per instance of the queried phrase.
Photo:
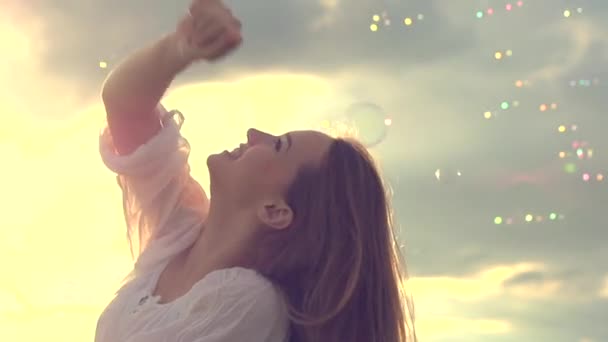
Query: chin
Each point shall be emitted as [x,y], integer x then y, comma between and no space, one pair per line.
[215,159]
[220,170]
[217,163]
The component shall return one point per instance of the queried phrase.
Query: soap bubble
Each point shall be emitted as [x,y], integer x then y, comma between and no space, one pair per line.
[369,121]
[447,175]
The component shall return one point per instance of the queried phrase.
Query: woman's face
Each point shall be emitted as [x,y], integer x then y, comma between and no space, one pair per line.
[263,168]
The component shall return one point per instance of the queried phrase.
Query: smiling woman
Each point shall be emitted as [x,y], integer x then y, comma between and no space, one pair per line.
[296,243]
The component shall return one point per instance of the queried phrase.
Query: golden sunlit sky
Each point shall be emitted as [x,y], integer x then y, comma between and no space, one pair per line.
[472,155]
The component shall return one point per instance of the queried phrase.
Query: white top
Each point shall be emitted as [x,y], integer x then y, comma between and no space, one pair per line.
[164,209]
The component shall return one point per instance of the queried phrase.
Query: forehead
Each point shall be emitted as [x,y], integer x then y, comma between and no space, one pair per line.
[308,146]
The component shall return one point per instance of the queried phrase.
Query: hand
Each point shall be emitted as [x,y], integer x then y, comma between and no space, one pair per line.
[208,32]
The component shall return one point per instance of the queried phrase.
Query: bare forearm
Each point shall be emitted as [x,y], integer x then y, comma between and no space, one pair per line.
[136,85]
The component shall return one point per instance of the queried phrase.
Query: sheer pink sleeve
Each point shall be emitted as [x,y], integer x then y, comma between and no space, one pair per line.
[163,205]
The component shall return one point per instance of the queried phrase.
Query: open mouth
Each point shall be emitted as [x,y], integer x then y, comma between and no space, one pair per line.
[236,153]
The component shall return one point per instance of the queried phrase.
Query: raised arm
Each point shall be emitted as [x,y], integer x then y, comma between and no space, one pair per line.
[160,197]
[133,90]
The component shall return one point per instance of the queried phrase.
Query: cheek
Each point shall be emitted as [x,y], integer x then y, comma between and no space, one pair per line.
[255,164]
[271,173]
[262,168]
[269,167]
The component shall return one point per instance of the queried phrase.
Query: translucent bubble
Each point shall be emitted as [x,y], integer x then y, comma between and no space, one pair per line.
[369,121]
[447,175]
[570,168]
[580,153]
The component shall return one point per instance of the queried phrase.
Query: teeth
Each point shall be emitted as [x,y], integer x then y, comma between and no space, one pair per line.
[236,153]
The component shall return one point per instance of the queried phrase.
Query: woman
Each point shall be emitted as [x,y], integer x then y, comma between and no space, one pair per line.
[295,245]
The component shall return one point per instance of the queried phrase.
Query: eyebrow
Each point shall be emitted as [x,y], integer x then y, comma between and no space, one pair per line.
[288,136]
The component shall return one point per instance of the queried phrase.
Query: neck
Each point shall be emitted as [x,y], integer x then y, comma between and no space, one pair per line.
[225,241]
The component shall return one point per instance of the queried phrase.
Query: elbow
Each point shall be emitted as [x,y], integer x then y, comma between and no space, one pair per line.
[107,92]
[111,96]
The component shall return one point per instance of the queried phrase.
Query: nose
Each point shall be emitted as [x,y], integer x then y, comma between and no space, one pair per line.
[254,136]
[251,135]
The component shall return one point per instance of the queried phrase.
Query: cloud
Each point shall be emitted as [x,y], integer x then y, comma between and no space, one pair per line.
[29,87]
[492,282]
[604,290]
[466,329]
[304,61]
[580,35]
[331,9]
[533,285]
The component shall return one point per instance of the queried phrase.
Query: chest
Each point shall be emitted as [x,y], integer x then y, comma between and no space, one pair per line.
[171,284]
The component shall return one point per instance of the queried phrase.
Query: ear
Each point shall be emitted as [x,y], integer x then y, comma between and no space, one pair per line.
[276,215]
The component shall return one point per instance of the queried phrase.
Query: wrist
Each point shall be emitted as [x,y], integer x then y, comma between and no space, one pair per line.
[172,52]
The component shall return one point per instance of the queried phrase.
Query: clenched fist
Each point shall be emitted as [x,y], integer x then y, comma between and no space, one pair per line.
[208,32]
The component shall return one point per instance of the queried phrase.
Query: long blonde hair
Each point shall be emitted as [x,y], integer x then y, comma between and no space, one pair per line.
[339,264]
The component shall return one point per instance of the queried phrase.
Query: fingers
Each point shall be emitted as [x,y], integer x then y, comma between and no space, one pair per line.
[219,48]
[211,29]
[206,33]
[220,45]
[200,7]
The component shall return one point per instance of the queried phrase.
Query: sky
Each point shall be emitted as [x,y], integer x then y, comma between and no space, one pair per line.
[487,118]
